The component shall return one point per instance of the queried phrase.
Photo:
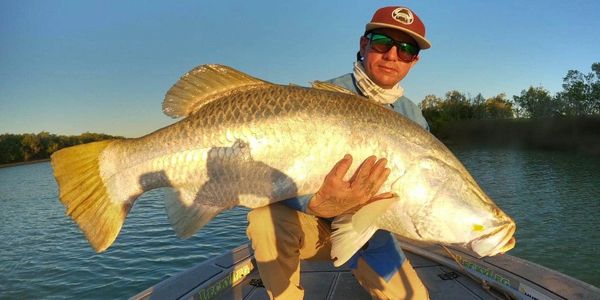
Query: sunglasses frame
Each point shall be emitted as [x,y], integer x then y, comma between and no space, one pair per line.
[402,48]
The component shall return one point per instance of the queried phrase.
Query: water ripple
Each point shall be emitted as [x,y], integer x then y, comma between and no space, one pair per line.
[552,197]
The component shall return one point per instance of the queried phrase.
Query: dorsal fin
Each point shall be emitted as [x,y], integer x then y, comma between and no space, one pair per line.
[321,85]
[202,85]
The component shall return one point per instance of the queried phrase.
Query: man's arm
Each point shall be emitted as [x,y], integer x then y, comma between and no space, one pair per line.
[299,203]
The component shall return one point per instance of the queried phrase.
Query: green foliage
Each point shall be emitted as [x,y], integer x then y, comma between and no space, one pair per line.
[29,146]
[10,148]
[456,106]
[581,94]
[498,107]
[478,103]
[580,98]
[536,102]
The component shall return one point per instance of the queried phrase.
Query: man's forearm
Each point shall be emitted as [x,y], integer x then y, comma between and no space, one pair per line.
[299,203]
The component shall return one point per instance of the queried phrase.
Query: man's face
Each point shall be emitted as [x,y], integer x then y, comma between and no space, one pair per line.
[386,69]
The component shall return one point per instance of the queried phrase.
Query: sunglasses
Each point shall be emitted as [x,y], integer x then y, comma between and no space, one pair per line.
[383,43]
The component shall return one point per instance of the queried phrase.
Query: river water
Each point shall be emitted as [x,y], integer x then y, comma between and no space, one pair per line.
[553,197]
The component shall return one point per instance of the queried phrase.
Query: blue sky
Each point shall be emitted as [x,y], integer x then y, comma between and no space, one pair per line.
[69,67]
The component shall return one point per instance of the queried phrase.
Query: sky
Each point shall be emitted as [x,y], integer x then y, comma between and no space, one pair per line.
[69,67]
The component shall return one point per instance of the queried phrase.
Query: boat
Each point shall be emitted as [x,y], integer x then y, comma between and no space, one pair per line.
[447,272]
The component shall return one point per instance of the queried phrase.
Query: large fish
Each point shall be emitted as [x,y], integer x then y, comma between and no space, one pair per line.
[248,142]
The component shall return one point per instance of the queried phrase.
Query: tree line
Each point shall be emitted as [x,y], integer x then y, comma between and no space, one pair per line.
[580,97]
[27,147]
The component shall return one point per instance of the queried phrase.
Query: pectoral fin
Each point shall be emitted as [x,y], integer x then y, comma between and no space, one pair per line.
[352,232]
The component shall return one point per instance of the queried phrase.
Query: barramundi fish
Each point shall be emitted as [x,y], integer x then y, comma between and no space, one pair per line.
[244,141]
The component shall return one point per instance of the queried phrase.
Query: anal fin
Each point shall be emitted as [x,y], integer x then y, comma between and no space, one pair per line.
[186,215]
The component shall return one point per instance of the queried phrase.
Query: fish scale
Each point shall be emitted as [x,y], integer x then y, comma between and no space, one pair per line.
[247,142]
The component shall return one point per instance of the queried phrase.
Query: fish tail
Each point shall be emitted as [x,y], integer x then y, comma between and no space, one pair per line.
[85,195]
[352,232]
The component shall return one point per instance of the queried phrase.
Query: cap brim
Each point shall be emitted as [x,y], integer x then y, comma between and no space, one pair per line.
[421,41]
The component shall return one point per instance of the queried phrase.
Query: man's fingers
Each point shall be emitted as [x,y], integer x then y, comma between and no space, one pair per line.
[363,171]
[382,196]
[378,168]
[341,167]
[379,181]
[353,177]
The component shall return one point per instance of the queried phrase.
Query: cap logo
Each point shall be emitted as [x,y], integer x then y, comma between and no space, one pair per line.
[403,15]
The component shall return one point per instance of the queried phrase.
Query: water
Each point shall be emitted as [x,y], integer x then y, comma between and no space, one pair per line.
[553,197]
[45,255]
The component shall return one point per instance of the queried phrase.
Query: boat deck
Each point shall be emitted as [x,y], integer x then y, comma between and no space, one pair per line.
[321,280]
[461,275]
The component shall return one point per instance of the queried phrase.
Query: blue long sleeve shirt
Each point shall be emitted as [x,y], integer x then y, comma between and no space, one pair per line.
[383,253]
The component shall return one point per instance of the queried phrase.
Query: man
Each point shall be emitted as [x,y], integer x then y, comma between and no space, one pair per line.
[285,232]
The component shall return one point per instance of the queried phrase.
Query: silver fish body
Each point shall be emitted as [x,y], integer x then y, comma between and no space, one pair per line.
[247,142]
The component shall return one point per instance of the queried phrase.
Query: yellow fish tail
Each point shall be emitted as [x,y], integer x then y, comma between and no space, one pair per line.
[84,194]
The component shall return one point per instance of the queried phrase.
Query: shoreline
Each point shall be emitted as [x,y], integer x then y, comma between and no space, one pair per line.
[567,135]
[37,161]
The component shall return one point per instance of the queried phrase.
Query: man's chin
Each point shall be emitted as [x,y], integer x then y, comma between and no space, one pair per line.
[385,78]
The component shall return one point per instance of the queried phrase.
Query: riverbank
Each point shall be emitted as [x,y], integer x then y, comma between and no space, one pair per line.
[580,135]
[24,163]
[32,147]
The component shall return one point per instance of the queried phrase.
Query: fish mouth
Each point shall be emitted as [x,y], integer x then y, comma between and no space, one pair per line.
[498,241]
[508,246]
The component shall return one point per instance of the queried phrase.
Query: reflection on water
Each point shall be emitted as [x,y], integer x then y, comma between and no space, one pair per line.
[553,197]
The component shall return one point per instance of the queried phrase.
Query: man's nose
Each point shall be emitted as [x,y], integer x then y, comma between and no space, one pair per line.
[391,54]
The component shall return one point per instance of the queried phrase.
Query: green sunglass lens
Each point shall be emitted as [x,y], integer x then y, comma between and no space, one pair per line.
[408,48]
[383,43]
[381,39]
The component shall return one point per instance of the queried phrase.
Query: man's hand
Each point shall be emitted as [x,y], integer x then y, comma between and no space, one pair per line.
[336,196]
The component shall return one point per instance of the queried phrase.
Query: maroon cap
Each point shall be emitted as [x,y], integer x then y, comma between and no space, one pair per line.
[403,19]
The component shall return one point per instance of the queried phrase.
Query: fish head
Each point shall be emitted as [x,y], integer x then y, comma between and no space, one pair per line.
[447,206]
